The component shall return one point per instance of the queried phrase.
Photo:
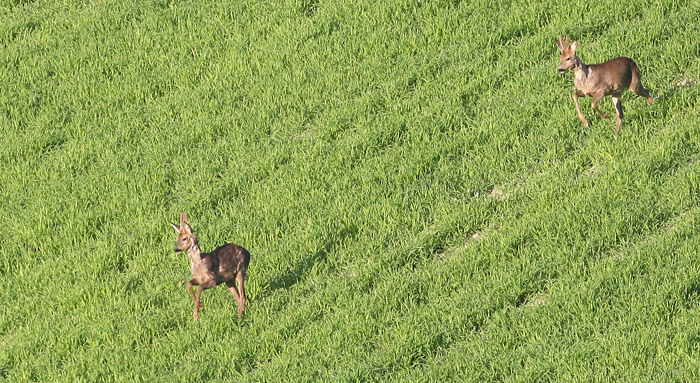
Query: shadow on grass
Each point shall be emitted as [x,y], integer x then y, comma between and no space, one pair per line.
[296,272]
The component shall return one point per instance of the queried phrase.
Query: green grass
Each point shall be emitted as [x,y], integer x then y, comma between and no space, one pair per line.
[419,199]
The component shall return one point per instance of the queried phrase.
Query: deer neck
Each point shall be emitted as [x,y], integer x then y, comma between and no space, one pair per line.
[195,253]
[581,72]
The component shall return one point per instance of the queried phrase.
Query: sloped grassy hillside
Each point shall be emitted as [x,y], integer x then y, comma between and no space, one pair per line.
[419,199]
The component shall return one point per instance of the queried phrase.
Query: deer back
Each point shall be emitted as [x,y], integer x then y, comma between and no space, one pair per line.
[227,261]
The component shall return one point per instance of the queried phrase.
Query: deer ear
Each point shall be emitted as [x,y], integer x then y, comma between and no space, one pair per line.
[183,219]
[574,45]
[176,227]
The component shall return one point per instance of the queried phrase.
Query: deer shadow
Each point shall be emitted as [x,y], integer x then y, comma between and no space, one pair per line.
[296,272]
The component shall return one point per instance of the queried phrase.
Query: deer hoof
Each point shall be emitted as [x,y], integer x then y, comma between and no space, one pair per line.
[605,115]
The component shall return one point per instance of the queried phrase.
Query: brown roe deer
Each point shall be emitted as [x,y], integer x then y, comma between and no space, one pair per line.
[599,80]
[227,263]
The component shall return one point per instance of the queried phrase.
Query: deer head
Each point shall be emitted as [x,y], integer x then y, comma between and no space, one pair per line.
[568,53]
[185,236]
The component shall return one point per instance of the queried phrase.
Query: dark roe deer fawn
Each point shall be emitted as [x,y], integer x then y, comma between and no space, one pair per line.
[227,263]
[599,80]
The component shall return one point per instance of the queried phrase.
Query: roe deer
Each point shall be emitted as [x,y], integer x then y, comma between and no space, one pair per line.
[599,80]
[227,263]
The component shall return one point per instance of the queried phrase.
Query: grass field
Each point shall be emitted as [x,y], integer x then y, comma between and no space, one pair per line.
[419,198]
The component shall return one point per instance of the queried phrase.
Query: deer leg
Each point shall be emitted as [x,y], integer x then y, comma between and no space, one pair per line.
[206,285]
[189,286]
[594,104]
[232,288]
[618,108]
[239,298]
[637,88]
[578,108]
[640,91]
[241,302]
